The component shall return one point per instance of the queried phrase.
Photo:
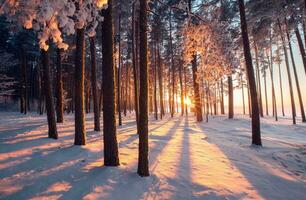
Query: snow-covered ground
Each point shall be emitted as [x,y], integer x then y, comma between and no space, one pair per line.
[188,160]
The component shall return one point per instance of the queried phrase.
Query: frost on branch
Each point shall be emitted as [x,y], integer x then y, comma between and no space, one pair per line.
[53,18]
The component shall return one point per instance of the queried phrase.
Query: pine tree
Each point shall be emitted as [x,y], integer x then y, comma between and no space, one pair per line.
[143,160]
[111,155]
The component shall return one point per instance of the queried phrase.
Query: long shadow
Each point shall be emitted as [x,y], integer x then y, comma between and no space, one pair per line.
[115,183]
[261,179]
[39,159]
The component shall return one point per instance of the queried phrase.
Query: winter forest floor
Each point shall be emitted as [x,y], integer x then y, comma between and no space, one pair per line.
[188,160]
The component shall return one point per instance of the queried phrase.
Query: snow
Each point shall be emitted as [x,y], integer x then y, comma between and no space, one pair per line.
[188,160]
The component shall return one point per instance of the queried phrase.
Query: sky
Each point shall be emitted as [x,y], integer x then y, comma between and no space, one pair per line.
[286,91]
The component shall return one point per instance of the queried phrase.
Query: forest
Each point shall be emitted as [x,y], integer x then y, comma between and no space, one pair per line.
[152,99]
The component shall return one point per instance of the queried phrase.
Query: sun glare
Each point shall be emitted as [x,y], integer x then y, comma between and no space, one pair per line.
[187,101]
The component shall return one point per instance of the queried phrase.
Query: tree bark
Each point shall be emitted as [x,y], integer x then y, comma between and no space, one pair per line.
[59,88]
[301,46]
[197,97]
[160,84]
[135,65]
[256,136]
[111,156]
[259,81]
[79,83]
[119,75]
[94,83]
[289,74]
[143,161]
[52,131]
[230,97]
[296,78]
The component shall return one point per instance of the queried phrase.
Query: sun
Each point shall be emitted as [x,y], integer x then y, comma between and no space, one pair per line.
[187,101]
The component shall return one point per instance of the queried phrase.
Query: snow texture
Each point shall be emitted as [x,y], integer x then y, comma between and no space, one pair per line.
[188,160]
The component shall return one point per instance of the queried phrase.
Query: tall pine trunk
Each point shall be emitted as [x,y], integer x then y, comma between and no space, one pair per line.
[59,88]
[301,46]
[52,130]
[94,83]
[160,84]
[288,73]
[258,80]
[296,78]
[79,93]
[135,65]
[256,136]
[196,88]
[119,75]
[143,160]
[172,68]
[230,97]
[111,155]
[222,97]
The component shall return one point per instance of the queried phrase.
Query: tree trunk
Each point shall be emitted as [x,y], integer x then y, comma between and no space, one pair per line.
[143,161]
[242,89]
[185,89]
[52,131]
[79,93]
[289,74]
[111,157]
[155,83]
[197,97]
[182,89]
[259,81]
[281,88]
[273,87]
[59,88]
[22,83]
[222,97]
[296,79]
[266,95]
[135,65]
[94,83]
[230,97]
[256,137]
[172,67]
[119,76]
[301,46]
[160,84]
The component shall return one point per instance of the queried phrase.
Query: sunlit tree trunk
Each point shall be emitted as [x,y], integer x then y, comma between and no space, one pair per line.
[242,90]
[155,82]
[111,155]
[296,78]
[289,74]
[301,46]
[182,89]
[256,136]
[197,97]
[160,83]
[172,67]
[135,65]
[52,130]
[143,160]
[258,80]
[185,89]
[272,85]
[266,95]
[222,97]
